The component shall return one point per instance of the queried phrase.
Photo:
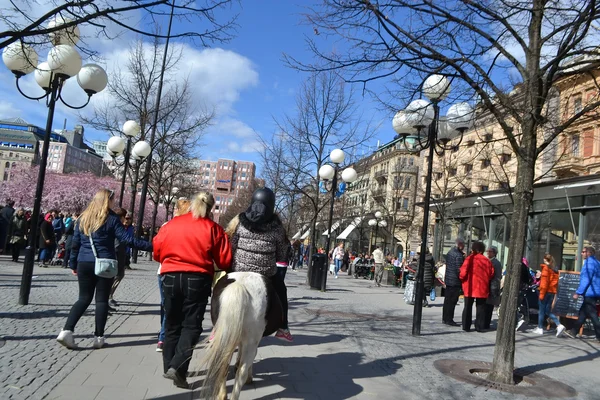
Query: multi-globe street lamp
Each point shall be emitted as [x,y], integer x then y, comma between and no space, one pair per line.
[411,124]
[329,173]
[377,222]
[118,146]
[62,63]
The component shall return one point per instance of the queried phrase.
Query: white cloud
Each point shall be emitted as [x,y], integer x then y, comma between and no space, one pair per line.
[8,110]
[231,126]
[253,146]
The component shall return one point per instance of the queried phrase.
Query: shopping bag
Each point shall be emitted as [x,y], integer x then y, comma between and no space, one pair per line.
[409,292]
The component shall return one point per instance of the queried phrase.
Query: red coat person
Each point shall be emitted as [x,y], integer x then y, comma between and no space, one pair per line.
[475,274]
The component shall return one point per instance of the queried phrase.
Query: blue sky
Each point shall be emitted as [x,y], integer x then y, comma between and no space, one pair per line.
[245,80]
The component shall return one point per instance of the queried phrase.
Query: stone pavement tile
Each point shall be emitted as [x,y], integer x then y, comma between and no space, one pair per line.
[112,393]
[136,370]
[76,378]
[106,379]
[70,392]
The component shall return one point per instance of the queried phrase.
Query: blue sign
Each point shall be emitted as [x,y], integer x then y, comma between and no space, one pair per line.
[223,180]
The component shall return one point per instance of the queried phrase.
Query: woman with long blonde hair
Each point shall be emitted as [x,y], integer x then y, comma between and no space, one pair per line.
[94,237]
[188,247]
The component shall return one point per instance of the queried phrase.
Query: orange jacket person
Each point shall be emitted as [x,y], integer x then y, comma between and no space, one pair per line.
[548,287]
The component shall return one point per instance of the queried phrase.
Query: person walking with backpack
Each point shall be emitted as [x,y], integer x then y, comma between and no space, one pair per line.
[94,238]
[589,288]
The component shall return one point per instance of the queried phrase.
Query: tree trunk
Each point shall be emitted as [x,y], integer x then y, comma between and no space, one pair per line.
[504,351]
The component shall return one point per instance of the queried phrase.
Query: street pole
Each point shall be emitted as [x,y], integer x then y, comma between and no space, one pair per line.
[30,250]
[140,219]
[418,309]
[333,190]
[125,171]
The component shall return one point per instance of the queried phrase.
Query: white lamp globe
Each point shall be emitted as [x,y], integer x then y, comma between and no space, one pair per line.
[111,154]
[142,149]
[337,156]
[69,36]
[349,175]
[402,124]
[420,113]
[383,223]
[436,87]
[116,144]
[92,78]
[378,214]
[460,116]
[445,132]
[43,75]
[20,58]
[64,59]
[326,172]
[372,222]
[131,128]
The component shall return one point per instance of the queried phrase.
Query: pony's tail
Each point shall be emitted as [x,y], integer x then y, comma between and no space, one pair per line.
[227,336]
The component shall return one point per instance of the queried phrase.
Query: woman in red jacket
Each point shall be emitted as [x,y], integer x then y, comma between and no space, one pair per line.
[548,286]
[187,246]
[475,274]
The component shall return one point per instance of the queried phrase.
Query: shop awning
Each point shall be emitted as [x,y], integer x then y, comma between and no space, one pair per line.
[350,228]
[333,228]
[299,234]
[305,235]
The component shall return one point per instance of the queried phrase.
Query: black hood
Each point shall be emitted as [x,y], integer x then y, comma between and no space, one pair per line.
[260,226]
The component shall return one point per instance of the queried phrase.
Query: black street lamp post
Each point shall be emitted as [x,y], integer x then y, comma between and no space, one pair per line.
[410,124]
[63,62]
[328,173]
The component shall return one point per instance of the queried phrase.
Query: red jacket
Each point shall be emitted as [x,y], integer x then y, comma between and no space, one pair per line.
[548,281]
[475,274]
[186,244]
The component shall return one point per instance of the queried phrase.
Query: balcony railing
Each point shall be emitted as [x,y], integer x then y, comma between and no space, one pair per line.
[405,168]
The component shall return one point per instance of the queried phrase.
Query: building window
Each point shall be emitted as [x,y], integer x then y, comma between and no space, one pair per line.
[405,203]
[485,188]
[470,143]
[451,194]
[452,171]
[407,183]
[575,145]
[505,158]
[466,191]
[455,149]
[439,175]
[486,162]
[577,106]
[411,161]
[468,168]
[504,185]
[488,137]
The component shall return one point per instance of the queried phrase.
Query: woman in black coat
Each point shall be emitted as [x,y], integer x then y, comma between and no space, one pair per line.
[47,240]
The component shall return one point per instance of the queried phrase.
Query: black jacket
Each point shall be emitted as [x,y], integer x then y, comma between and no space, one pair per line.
[454,260]
[46,233]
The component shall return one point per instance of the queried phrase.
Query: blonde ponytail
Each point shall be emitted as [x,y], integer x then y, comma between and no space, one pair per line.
[202,204]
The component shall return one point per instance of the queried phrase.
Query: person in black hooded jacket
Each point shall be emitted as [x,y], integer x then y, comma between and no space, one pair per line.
[258,242]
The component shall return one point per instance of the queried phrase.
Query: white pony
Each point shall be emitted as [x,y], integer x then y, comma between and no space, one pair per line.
[244,308]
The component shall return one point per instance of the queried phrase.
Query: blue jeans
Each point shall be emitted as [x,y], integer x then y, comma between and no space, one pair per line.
[338,266]
[544,310]
[161,334]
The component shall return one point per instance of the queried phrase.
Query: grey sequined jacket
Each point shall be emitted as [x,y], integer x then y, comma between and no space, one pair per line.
[257,247]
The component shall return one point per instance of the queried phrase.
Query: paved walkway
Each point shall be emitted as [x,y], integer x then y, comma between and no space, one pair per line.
[351,342]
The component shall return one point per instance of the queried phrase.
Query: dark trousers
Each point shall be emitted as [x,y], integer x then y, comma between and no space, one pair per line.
[451,295]
[489,311]
[588,310]
[16,251]
[120,270]
[467,315]
[281,290]
[89,283]
[186,296]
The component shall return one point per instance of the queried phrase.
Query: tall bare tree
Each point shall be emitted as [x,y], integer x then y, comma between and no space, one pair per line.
[486,48]
[326,117]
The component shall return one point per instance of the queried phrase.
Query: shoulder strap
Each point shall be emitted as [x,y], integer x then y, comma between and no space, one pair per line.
[93,247]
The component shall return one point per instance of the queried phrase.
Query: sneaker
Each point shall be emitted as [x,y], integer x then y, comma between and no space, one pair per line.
[284,334]
[520,324]
[99,342]
[113,303]
[336,277]
[538,331]
[66,339]
[177,379]
[559,330]
[111,309]
[159,347]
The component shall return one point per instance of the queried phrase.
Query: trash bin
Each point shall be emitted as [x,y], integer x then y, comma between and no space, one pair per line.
[318,268]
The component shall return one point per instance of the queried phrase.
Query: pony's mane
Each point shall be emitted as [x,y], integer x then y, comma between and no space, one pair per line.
[232,226]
